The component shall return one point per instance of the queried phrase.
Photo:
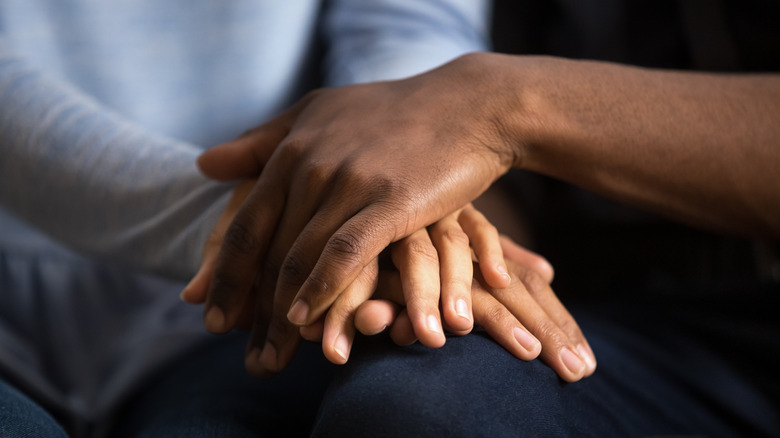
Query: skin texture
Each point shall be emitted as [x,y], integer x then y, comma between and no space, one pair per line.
[526,318]
[352,170]
[524,315]
[699,148]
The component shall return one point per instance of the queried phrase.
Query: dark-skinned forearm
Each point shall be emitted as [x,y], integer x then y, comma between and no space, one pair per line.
[700,148]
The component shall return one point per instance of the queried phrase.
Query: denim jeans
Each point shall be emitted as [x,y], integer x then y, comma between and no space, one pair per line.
[21,417]
[670,365]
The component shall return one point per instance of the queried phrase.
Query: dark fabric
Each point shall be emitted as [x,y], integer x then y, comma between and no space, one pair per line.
[668,365]
[596,245]
[209,394]
[660,373]
[21,417]
[717,35]
[714,297]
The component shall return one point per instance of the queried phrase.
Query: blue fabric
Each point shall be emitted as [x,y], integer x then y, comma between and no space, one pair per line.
[105,106]
[84,333]
[20,417]
[209,394]
[665,369]
[657,375]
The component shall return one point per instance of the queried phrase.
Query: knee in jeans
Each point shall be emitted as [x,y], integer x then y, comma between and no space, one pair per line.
[22,417]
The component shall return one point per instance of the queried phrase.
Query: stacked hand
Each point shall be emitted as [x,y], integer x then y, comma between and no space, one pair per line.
[344,174]
[525,317]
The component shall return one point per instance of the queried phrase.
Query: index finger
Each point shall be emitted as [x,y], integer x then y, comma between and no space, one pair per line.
[348,250]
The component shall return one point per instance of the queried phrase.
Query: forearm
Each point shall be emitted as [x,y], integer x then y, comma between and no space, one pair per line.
[97,182]
[700,148]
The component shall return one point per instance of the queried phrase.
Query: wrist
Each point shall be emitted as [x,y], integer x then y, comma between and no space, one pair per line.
[486,83]
[522,113]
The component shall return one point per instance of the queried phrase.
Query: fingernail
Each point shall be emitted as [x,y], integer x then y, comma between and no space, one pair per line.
[267,357]
[527,340]
[215,319]
[182,294]
[342,347]
[501,269]
[433,324]
[587,356]
[572,361]
[462,309]
[298,313]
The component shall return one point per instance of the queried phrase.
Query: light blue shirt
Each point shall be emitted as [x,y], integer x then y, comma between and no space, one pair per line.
[104,106]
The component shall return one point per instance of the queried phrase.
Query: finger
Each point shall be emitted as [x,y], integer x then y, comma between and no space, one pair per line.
[540,290]
[380,312]
[521,256]
[558,350]
[243,249]
[196,291]
[418,262]
[484,239]
[339,329]
[456,267]
[374,316]
[273,339]
[247,316]
[313,332]
[502,325]
[263,310]
[349,238]
[402,332]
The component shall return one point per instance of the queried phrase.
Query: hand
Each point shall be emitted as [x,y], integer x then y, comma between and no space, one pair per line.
[526,318]
[442,251]
[348,172]
[434,269]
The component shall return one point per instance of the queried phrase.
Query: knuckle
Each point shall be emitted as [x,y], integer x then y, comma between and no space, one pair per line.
[239,238]
[293,269]
[224,283]
[486,228]
[547,330]
[345,245]
[293,148]
[318,174]
[422,251]
[495,315]
[455,237]
[533,282]
[271,269]
[359,176]
[570,327]
[319,285]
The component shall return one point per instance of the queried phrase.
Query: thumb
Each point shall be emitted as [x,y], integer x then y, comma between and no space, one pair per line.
[243,157]
[246,156]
